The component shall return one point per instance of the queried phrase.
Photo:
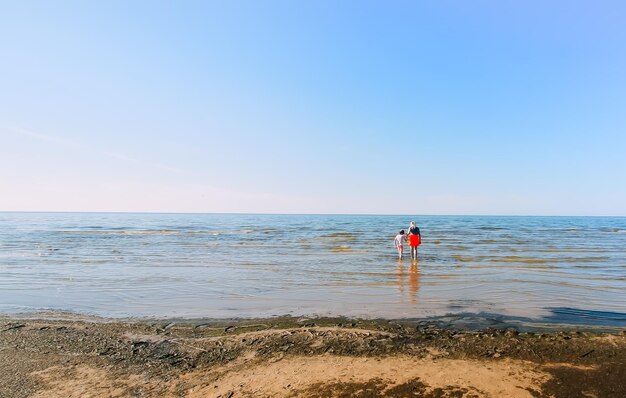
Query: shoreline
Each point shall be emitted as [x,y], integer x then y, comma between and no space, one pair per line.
[464,321]
[297,356]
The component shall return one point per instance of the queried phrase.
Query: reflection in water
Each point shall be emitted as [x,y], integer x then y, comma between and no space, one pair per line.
[410,279]
[400,279]
[414,280]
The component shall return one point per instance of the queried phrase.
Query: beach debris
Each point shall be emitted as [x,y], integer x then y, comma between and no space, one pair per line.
[13,327]
[586,354]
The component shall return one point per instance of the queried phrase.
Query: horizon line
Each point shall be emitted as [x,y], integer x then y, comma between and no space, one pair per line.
[308,214]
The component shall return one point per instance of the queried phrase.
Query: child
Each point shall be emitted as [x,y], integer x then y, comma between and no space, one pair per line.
[398,242]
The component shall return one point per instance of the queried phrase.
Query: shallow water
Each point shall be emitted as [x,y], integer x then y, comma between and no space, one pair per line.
[210,265]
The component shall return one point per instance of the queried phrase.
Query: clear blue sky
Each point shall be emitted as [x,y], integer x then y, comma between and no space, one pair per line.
[438,107]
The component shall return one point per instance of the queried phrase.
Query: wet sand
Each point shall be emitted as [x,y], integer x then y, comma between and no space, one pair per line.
[298,357]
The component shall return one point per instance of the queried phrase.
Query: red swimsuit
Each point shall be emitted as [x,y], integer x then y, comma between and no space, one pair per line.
[414,240]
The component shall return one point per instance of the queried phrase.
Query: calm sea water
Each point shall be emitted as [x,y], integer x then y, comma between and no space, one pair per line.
[208,265]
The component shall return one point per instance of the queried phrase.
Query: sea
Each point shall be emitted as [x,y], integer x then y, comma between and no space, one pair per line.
[125,265]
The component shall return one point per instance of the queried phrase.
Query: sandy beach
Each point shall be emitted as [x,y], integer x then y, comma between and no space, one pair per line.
[300,357]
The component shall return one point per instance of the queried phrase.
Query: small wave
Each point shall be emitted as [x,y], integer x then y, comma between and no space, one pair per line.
[115,232]
[556,250]
[518,259]
[159,232]
[613,230]
[339,237]
[257,230]
[360,273]
[544,267]
[463,259]
[210,233]
[553,230]
[457,247]
[341,249]
[584,259]
[534,260]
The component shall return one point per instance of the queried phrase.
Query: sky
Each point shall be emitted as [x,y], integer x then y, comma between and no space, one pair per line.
[358,107]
